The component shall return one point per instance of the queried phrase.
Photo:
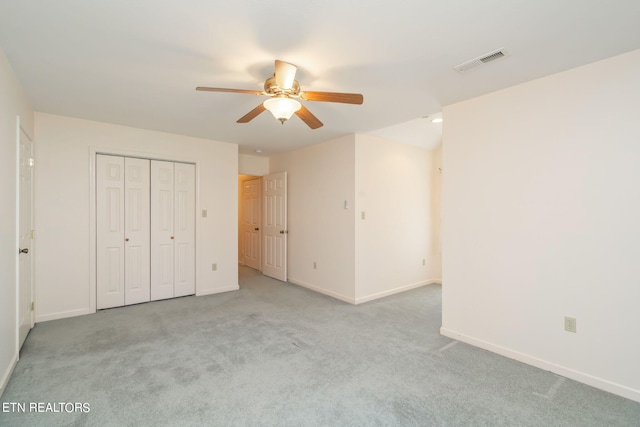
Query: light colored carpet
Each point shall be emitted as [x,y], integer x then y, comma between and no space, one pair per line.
[274,354]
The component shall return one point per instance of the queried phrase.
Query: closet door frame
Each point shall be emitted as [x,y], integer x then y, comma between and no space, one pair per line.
[111,151]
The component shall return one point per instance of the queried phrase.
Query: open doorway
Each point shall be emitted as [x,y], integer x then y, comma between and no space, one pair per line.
[250,221]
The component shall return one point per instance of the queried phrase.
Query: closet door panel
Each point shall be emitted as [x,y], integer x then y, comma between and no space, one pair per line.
[162,237]
[110,249]
[137,231]
[184,231]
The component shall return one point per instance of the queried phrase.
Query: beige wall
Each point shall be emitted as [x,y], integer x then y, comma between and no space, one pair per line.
[320,178]
[66,146]
[394,241]
[13,103]
[360,260]
[436,215]
[540,221]
[253,165]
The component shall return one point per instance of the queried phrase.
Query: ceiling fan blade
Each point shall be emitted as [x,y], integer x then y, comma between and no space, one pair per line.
[285,74]
[345,98]
[251,114]
[219,89]
[306,116]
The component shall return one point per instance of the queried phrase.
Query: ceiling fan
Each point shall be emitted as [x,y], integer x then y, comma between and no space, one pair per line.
[283,91]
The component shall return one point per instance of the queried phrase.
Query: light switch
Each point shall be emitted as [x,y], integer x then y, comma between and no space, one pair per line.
[204,213]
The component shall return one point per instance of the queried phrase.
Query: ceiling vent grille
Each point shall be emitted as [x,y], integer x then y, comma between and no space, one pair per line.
[481,60]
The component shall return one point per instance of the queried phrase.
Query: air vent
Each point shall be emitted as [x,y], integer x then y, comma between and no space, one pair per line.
[476,62]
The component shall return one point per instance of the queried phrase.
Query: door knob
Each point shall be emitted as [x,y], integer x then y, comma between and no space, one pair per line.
[126,239]
[257,228]
[23,251]
[171,237]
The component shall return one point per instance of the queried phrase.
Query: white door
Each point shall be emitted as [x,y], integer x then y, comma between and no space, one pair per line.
[110,231]
[25,219]
[172,229]
[162,251]
[184,229]
[251,219]
[136,231]
[275,226]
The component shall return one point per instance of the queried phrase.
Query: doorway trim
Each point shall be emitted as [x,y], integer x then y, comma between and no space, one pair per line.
[93,151]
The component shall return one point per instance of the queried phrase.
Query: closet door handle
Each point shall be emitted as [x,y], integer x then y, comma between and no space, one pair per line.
[171,237]
[257,229]
[126,239]
[23,251]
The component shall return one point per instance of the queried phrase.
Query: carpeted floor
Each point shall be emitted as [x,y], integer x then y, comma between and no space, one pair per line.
[274,354]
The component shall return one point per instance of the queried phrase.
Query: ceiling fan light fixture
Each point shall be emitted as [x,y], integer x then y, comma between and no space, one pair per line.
[282,107]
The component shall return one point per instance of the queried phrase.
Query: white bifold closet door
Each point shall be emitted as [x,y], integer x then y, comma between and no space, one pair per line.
[123,239]
[145,222]
[172,229]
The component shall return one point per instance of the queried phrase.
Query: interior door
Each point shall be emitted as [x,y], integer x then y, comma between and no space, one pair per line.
[275,226]
[109,231]
[162,237]
[136,231]
[184,229]
[25,219]
[251,219]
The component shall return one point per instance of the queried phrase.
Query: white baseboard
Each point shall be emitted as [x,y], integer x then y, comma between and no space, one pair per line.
[82,312]
[7,373]
[582,377]
[63,314]
[217,290]
[321,290]
[395,291]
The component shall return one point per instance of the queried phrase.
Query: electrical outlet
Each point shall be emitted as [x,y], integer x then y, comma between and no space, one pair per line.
[424,261]
[214,267]
[315,266]
[570,324]
[204,213]
[362,215]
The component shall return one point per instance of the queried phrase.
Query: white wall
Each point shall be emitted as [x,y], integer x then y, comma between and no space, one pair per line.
[320,178]
[541,208]
[360,260]
[13,103]
[436,214]
[65,229]
[253,165]
[394,189]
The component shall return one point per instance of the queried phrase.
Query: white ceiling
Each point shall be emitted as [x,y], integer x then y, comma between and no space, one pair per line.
[137,62]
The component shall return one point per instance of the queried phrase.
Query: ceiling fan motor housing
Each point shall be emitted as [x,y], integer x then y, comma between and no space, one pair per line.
[272,88]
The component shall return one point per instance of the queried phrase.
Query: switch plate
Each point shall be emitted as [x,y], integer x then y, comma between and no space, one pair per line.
[315,266]
[204,213]
[214,267]
[362,215]
[570,324]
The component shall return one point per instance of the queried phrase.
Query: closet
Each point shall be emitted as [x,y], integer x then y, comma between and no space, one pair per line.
[145,225]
